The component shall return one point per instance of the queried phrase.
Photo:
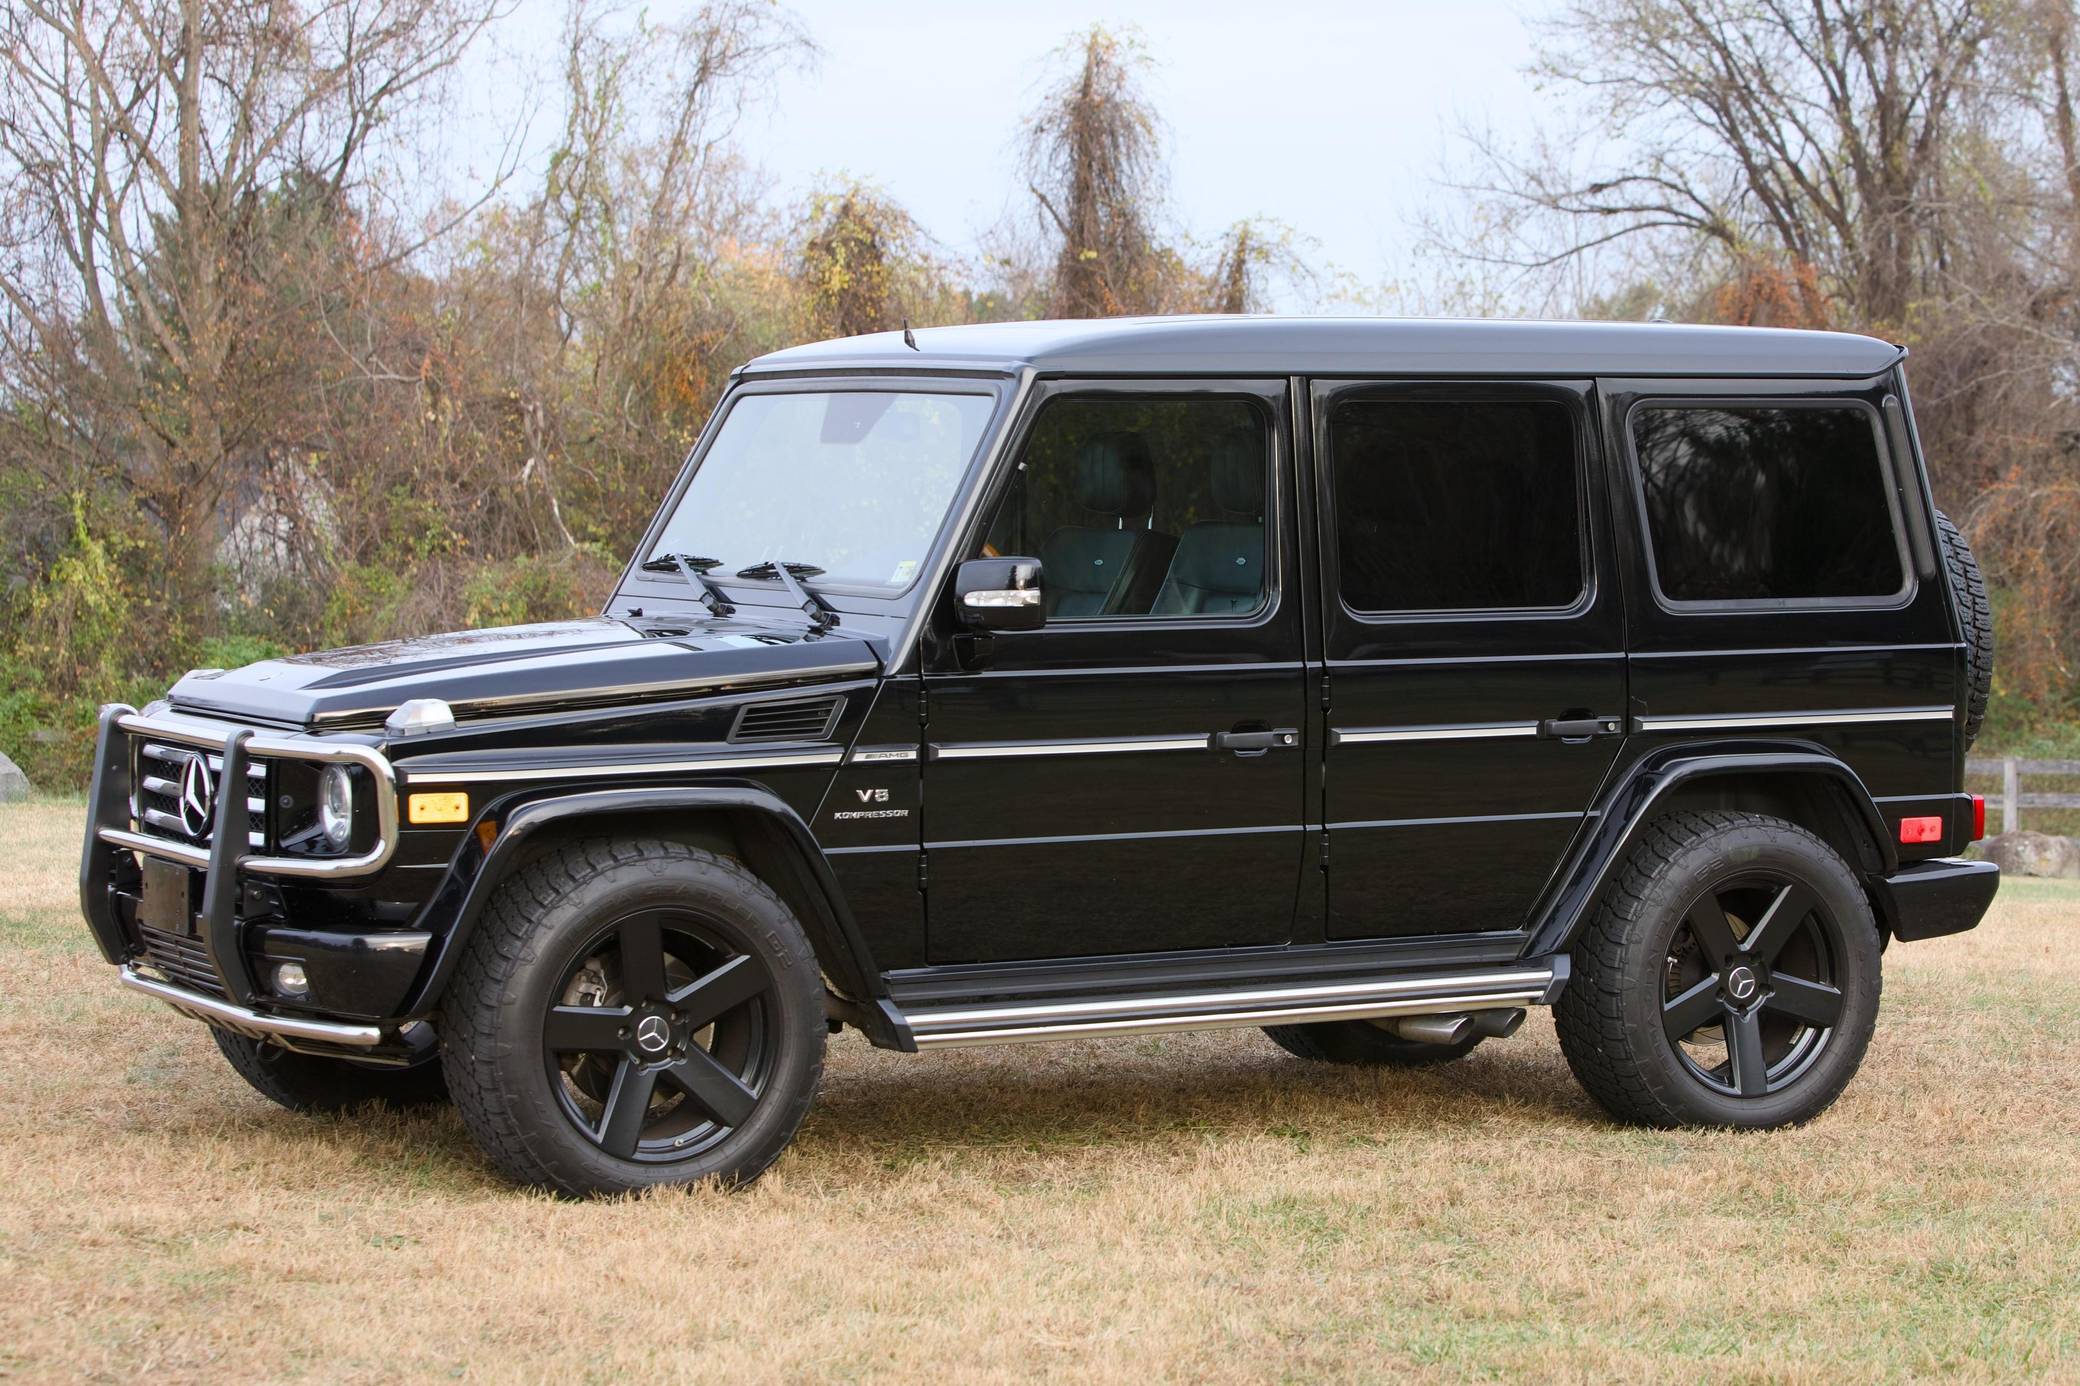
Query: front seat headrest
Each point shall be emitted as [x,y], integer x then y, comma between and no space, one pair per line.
[1238,472]
[1114,476]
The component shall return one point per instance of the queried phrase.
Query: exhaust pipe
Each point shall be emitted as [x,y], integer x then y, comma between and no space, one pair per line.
[1454,1029]
[1497,1024]
[1433,1029]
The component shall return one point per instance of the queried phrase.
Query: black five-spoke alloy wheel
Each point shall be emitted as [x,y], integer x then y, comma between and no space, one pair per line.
[659,1043]
[1730,976]
[1748,997]
[631,1013]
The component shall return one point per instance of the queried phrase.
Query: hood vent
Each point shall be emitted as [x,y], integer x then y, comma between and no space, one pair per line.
[803,719]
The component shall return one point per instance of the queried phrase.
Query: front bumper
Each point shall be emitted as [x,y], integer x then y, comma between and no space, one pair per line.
[1932,898]
[208,957]
[251,1023]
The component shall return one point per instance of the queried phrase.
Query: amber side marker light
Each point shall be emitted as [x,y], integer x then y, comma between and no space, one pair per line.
[1921,829]
[437,808]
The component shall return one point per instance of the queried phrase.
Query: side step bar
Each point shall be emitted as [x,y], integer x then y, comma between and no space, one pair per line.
[1022,1022]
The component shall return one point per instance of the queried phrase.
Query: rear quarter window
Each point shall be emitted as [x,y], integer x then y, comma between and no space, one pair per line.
[1766,504]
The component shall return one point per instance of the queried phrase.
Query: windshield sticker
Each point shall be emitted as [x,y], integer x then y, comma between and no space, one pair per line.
[905,570]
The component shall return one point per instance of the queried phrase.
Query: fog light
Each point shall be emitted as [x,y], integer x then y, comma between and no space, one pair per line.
[290,981]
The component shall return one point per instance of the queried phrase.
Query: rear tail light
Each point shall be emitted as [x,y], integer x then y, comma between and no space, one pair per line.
[1978,816]
[1928,829]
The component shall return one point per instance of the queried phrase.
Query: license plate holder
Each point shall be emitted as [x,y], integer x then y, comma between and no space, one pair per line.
[168,899]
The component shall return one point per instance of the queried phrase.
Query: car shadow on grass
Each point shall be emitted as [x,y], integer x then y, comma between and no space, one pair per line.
[1098,1095]
[893,1109]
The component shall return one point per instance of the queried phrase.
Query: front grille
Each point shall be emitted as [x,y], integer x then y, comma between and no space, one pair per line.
[808,719]
[162,771]
[185,961]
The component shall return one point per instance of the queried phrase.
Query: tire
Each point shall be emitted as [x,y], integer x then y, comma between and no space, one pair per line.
[1700,898]
[630,1014]
[1975,615]
[311,1083]
[1361,1042]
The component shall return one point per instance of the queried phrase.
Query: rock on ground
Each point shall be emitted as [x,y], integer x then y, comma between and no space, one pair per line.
[2034,854]
[13,783]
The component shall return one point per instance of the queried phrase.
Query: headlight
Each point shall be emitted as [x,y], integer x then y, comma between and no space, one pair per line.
[336,806]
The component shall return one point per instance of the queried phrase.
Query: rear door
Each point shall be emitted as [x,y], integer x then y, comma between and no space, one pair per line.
[1473,642]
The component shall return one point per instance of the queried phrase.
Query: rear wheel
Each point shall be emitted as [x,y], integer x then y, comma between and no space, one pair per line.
[310,1083]
[1362,1042]
[634,1013]
[1730,978]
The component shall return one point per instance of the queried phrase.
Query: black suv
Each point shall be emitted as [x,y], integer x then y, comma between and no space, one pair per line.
[1365,681]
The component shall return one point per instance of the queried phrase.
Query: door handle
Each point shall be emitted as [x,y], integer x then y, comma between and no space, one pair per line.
[1255,743]
[1577,729]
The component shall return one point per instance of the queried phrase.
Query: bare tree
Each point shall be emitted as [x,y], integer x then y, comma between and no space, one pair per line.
[1093,161]
[147,146]
[1254,256]
[1807,134]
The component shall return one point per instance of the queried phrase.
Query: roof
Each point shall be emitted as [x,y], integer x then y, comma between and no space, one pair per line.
[1350,346]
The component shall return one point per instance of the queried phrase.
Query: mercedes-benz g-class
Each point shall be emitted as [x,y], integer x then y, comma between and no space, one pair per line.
[1366,681]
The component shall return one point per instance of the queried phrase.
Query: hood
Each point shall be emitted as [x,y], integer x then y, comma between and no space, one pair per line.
[519,669]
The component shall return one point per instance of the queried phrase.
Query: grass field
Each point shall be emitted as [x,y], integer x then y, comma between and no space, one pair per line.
[1183,1208]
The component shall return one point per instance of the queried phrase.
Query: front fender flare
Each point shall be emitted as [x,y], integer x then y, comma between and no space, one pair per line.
[1633,800]
[788,844]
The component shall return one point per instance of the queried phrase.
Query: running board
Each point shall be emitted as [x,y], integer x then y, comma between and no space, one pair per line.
[1023,1022]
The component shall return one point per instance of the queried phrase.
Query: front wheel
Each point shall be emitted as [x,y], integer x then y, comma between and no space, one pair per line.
[314,1083]
[631,1014]
[1729,978]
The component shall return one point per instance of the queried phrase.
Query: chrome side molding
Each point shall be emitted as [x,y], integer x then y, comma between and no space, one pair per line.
[954,1027]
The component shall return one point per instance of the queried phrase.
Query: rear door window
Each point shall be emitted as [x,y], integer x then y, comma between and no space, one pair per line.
[1766,504]
[1456,505]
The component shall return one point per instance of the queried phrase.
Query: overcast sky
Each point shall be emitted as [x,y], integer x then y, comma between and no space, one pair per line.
[1331,118]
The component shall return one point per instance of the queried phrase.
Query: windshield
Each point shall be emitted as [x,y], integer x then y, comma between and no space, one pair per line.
[851,482]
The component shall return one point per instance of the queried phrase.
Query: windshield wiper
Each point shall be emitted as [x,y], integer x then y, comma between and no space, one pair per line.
[818,610]
[694,569]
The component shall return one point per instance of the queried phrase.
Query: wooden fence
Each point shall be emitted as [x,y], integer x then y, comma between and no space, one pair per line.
[2011,800]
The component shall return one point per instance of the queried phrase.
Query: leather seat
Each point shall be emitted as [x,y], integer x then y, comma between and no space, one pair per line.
[1108,572]
[1219,566]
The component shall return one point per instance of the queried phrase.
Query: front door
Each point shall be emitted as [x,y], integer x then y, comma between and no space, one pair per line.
[1128,778]
[1474,648]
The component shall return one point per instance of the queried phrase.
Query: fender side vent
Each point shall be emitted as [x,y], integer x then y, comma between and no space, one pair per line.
[811,719]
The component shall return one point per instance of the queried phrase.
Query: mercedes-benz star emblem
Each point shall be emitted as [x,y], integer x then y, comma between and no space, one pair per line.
[1740,983]
[198,797]
[652,1034]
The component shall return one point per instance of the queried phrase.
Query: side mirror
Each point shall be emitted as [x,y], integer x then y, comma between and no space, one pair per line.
[998,594]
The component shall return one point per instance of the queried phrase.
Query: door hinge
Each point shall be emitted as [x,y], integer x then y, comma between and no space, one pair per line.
[922,878]
[1325,849]
[1325,690]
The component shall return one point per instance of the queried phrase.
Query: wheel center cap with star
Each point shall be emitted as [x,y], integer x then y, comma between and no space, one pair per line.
[653,1034]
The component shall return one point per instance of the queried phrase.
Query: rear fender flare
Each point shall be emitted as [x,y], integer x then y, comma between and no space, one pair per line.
[772,835]
[1648,785]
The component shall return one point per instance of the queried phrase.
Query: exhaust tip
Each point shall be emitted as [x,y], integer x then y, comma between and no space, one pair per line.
[1497,1024]
[1434,1029]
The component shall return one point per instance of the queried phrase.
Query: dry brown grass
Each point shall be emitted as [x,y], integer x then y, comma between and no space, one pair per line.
[1182,1208]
